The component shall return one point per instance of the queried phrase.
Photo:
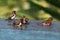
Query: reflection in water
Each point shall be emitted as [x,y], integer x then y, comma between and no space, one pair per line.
[22,27]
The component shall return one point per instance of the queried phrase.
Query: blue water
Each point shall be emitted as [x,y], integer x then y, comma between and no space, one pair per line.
[32,32]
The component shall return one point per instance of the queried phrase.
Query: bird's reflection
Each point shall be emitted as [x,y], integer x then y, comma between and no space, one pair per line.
[21,27]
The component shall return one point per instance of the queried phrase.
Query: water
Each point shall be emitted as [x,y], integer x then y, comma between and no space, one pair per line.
[32,32]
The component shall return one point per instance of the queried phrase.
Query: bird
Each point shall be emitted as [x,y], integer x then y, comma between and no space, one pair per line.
[12,16]
[19,23]
[24,20]
[47,22]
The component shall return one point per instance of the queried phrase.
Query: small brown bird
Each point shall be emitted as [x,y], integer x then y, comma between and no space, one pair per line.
[47,22]
[12,16]
[24,20]
[19,24]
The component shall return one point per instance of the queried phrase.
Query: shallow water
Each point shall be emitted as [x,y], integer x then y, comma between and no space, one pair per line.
[32,32]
